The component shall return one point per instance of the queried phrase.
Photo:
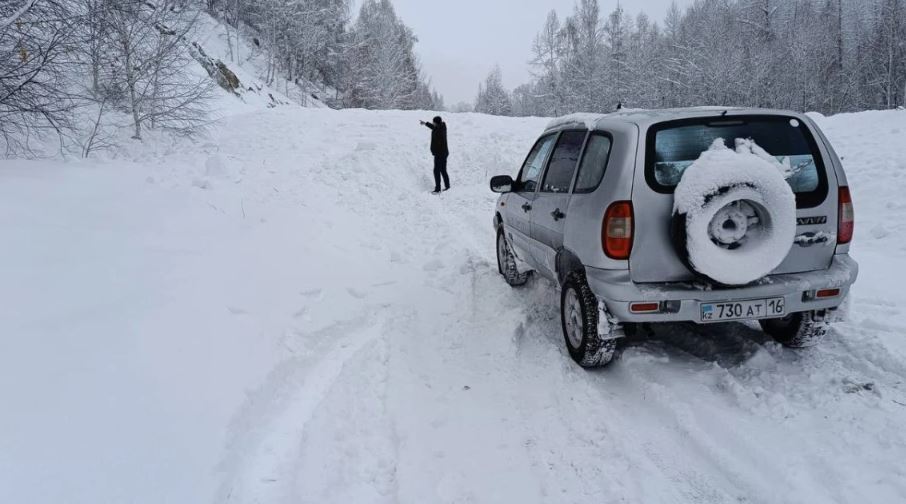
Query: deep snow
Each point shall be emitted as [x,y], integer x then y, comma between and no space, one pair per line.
[283,313]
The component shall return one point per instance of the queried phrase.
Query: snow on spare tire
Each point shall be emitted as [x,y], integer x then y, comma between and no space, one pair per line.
[734,214]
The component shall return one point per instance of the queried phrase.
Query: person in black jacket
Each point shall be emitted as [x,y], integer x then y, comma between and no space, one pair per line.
[440,151]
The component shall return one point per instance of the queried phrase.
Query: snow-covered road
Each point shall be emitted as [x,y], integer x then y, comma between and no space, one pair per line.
[283,313]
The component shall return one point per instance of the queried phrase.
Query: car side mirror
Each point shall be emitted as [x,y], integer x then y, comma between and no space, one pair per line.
[502,184]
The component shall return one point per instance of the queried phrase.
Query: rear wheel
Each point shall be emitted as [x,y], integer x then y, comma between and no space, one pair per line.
[506,262]
[587,344]
[797,330]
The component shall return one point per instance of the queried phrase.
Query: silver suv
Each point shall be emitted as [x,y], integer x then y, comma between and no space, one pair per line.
[593,210]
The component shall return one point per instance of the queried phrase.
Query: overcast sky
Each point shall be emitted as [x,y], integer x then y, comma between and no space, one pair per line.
[460,41]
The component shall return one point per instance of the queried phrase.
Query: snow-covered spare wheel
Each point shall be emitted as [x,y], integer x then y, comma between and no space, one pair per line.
[734,214]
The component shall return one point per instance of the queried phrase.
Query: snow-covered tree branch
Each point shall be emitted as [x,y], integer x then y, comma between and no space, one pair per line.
[15,16]
[828,56]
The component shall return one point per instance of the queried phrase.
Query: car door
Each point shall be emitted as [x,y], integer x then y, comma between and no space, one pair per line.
[519,204]
[552,200]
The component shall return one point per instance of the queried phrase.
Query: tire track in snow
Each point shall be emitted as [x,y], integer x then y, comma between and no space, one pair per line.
[720,415]
[696,445]
[590,440]
[349,449]
[270,428]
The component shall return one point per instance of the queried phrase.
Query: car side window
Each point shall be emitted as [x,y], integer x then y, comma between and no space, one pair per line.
[594,163]
[531,170]
[562,166]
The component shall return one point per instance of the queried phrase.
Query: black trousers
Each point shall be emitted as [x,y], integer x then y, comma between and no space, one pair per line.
[440,170]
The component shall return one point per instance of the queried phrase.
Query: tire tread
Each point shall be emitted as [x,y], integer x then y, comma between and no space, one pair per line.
[595,351]
[806,329]
[509,270]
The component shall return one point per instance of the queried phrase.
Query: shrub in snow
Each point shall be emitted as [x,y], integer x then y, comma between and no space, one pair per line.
[734,213]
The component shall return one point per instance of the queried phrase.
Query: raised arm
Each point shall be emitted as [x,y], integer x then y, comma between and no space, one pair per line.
[429,125]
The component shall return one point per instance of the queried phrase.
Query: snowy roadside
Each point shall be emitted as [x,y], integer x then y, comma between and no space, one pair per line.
[282,313]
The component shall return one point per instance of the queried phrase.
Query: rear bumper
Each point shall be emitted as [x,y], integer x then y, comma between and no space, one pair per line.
[616,290]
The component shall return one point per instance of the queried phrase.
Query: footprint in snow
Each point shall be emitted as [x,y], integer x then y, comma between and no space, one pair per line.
[396,258]
[854,387]
[312,293]
[357,293]
[879,232]
[434,265]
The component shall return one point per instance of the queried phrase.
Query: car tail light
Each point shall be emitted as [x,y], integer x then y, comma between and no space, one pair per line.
[827,293]
[645,307]
[814,295]
[846,220]
[616,231]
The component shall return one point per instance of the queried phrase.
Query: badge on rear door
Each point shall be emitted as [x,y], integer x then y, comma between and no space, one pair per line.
[811,221]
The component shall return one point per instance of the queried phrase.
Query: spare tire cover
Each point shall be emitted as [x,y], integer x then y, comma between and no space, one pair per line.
[734,214]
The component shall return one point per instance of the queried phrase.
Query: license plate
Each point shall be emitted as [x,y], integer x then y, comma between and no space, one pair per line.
[743,310]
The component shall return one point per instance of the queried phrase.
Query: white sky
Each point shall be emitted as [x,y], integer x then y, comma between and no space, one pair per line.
[460,41]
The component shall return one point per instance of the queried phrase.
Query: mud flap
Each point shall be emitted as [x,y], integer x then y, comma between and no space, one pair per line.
[609,328]
[840,313]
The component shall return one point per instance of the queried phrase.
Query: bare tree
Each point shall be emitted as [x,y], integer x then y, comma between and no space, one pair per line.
[824,55]
[97,139]
[547,53]
[34,80]
[17,14]
[147,58]
[888,48]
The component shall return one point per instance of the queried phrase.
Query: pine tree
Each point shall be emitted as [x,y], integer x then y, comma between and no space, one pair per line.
[35,71]
[492,96]
[382,70]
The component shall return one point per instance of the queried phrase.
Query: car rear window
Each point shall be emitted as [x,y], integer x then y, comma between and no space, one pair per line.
[673,146]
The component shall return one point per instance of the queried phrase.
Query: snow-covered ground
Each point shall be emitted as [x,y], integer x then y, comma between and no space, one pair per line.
[282,313]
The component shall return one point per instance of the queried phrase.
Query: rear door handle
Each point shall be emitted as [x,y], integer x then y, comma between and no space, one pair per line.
[809,239]
[557,215]
[526,207]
